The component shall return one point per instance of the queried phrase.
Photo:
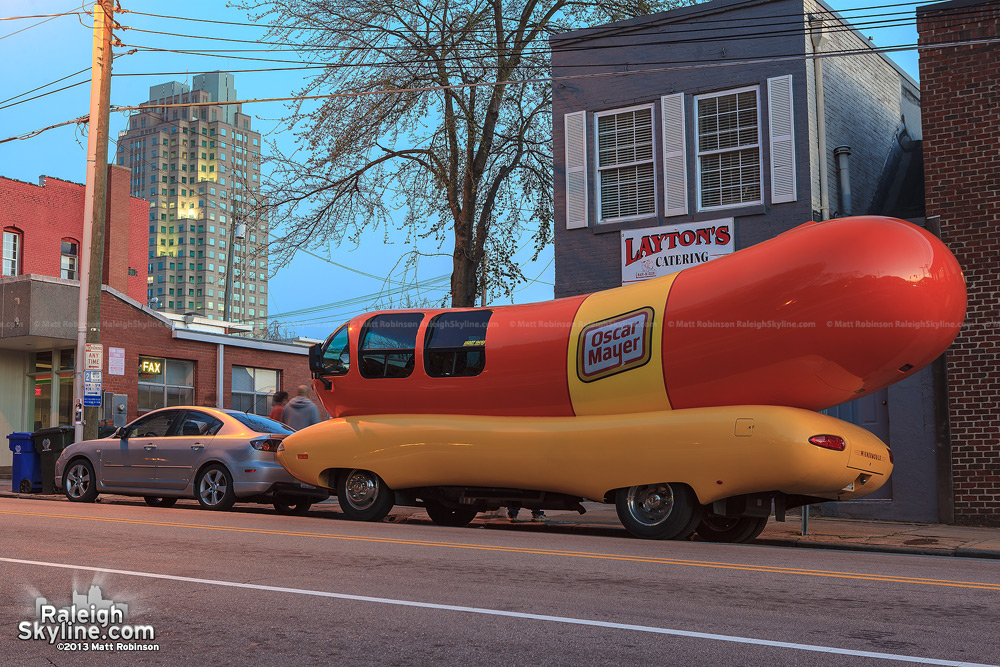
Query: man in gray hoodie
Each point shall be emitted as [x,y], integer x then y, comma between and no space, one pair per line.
[301,412]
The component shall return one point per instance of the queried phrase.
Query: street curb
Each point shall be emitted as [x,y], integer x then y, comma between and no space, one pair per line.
[593,530]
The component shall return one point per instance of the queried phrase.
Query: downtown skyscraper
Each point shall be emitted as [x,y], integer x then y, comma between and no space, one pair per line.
[199,168]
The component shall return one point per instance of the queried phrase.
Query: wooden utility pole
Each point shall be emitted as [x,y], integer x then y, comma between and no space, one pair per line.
[94,215]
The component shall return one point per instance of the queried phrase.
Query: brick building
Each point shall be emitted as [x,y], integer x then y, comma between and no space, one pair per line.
[746,117]
[152,358]
[962,172]
[43,230]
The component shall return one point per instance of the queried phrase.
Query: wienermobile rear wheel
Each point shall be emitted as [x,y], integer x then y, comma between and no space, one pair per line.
[363,496]
[659,511]
[443,515]
[725,529]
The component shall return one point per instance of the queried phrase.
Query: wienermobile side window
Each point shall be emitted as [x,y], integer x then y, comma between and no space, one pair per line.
[334,356]
[388,345]
[456,344]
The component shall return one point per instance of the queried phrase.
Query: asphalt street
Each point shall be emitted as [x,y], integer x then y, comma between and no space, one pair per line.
[251,587]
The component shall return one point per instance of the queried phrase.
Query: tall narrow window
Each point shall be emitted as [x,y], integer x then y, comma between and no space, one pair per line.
[626,182]
[728,149]
[11,252]
[68,261]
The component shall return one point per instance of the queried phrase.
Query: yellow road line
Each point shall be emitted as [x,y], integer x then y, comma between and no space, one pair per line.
[540,552]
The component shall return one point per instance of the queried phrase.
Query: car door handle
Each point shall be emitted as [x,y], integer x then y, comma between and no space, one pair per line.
[197,446]
[149,448]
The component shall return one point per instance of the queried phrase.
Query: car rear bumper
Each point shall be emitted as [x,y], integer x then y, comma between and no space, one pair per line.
[254,478]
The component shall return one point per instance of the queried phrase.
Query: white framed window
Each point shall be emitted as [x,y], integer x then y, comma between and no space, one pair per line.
[68,259]
[626,174]
[727,128]
[11,252]
[253,388]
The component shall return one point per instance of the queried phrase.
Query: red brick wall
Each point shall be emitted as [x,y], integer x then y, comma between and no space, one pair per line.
[961,124]
[46,214]
[141,334]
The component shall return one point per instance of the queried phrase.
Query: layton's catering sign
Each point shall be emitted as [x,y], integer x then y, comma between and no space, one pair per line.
[660,251]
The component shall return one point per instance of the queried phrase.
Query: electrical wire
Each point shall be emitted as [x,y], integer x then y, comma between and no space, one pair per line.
[52,17]
[820,11]
[304,67]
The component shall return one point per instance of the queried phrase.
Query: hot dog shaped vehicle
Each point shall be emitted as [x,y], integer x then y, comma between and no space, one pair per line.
[686,400]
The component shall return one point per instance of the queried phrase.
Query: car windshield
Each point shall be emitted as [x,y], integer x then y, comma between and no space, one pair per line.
[260,424]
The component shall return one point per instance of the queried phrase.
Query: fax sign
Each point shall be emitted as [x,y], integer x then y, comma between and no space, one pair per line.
[92,388]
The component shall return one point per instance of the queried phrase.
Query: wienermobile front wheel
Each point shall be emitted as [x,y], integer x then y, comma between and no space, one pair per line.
[363,496]
[659,511]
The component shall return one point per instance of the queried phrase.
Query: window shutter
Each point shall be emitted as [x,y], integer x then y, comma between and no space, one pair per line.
[674,159]
[779,109]
[576,169]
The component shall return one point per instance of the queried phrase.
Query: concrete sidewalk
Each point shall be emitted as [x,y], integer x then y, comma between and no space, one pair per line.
[600,519]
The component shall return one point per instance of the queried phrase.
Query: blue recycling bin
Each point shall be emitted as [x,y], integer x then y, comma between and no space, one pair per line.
[26,470]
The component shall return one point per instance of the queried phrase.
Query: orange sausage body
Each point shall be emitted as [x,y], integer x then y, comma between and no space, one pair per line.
[812,318]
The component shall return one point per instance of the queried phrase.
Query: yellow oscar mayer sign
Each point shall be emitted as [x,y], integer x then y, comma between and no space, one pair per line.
[614,362]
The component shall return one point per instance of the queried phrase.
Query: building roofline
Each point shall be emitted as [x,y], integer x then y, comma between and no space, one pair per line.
[951,4]
[206,336]
[239,341]
[719,7]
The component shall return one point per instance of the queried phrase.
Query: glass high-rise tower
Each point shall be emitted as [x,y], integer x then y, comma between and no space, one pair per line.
[199,168]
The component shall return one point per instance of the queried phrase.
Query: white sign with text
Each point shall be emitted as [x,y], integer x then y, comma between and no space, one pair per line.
[660,251]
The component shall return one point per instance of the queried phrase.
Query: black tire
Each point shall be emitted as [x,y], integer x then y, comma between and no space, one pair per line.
[80,482]
[292,507]
[363,496]
[25,486]
[456,517]
[658,511]
[214,488]
[159,501]
[716,528]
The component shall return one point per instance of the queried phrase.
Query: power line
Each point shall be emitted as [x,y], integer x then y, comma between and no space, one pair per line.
[52,17]
[485,84]
[303,66]
[187,19]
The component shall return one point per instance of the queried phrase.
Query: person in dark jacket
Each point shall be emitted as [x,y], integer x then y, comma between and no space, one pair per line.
[301,412]
[280,398]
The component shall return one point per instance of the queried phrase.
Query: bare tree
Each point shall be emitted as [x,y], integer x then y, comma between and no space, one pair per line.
[468,158]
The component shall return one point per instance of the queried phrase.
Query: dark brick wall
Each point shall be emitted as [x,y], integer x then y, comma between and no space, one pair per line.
[589,259]
[863,107]
[962,179]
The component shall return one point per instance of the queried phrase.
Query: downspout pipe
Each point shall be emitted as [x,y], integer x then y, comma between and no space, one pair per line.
[220,379]
[842,153]
[817,36]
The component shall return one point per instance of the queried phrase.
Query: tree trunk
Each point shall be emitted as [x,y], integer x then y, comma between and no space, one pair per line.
[464,283]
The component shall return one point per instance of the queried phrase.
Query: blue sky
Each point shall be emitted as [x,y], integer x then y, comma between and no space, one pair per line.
[54,49]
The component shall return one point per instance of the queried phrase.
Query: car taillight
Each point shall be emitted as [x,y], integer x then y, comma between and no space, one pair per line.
[890,454]
[266,444]
[834,442]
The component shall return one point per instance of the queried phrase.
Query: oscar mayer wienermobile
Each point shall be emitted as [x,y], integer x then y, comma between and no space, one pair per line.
[687,400]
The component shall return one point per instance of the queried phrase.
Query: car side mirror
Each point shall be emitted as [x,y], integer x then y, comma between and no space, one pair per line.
[120,433]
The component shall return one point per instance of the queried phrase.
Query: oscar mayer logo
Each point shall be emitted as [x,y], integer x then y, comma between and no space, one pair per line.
[615,345]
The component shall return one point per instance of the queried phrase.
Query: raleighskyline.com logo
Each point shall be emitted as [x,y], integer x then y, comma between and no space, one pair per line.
[89,623]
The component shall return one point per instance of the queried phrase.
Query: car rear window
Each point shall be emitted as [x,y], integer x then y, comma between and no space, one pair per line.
[260,424]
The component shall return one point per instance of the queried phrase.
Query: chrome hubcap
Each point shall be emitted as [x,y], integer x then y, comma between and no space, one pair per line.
[213,487]
[362,489]
[77,480]
[650,504]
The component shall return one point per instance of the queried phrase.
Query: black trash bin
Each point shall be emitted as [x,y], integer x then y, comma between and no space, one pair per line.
[49,443]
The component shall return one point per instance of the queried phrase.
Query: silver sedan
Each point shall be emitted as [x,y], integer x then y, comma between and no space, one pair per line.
[216,456]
